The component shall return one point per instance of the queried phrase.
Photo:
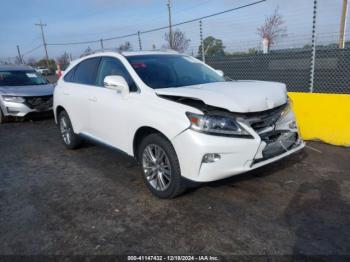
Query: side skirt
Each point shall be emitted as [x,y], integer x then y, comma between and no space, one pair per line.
[97,141]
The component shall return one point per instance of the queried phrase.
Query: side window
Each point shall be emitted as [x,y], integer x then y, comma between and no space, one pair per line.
[69,77]
[112,66]
[85,72]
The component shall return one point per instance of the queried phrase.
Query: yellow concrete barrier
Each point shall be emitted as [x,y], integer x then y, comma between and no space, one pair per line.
[324,117]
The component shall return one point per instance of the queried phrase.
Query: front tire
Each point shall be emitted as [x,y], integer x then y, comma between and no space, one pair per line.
[70,139]
[160,167]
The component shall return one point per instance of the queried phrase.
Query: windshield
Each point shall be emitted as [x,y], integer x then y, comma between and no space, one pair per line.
[21,78]
[163,71]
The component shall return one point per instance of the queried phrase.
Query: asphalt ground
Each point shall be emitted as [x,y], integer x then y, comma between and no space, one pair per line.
[93,201]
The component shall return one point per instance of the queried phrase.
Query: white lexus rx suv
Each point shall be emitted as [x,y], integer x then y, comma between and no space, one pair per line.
[181,119]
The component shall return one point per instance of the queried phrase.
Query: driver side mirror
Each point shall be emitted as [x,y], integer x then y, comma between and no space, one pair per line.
[117,83]
[220,72]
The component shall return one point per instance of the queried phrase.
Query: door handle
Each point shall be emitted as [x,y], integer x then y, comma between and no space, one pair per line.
[66,93]
[92,98]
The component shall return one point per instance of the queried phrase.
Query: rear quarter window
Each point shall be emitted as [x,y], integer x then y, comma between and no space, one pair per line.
[85,72]
[69,77]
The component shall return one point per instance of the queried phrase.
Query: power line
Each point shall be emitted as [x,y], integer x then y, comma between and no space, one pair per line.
[203,17]
[118,37]
[78,43]
[161,28]
[32,50]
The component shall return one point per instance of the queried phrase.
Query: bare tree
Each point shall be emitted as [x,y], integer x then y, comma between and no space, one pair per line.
[31,61]
[63,59]
[179,41]
[125,47]
[87,51]
[18,60]
[272,28]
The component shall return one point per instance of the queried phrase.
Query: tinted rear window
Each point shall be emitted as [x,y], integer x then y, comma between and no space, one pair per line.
[69,77]
[85,72]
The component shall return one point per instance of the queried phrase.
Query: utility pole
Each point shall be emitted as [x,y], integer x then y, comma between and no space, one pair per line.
[19,55]
[101,42]
[202,42]
[44,43]
[344,15]
[170,26]
[140,43]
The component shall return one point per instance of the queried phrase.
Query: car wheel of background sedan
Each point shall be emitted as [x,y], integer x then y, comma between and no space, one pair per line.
[2,117]
[160,166]
[70,139]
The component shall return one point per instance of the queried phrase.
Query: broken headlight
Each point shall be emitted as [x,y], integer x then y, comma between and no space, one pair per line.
[216,125]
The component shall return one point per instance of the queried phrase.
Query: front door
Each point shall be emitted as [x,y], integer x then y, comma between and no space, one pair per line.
[108,108]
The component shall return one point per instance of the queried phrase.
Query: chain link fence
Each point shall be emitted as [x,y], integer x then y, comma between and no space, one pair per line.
[292,67]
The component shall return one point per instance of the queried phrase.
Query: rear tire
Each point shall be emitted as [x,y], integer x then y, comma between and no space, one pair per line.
[160,167]
[70,139]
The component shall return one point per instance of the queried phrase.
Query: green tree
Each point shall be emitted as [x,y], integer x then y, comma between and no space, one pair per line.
[212,47]
[252,51]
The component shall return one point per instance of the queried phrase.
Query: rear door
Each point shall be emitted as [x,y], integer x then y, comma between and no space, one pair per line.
[79,82]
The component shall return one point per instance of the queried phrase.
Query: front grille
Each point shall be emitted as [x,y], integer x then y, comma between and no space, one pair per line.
[39,102]
[277,143]
[261,120]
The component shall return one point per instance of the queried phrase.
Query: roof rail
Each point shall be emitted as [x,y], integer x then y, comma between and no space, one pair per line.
[100,51]
[120,52]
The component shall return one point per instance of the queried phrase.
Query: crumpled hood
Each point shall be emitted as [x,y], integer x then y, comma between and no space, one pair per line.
[236,96]
[36,90]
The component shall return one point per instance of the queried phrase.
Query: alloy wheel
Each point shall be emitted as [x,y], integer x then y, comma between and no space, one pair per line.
[156,167]
[65,130]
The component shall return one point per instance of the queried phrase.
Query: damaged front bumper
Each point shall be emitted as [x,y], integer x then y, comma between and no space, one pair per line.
[235,155]
[300,144]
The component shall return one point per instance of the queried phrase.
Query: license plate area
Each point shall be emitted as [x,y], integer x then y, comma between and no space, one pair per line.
[278,142]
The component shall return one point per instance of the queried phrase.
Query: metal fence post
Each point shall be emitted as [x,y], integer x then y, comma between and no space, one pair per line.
[139,37]
[201,39]
[101,42]
[313,54]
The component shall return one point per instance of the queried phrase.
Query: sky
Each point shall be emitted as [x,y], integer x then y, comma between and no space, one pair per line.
[85,20]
